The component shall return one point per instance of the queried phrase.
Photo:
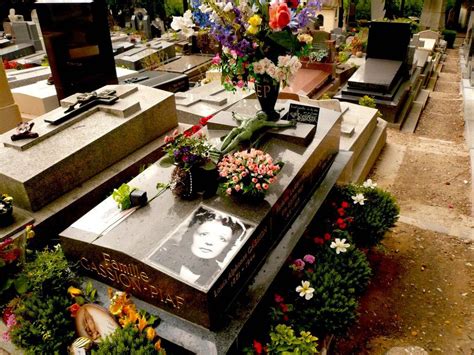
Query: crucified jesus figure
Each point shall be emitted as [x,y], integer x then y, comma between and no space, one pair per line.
[247,128]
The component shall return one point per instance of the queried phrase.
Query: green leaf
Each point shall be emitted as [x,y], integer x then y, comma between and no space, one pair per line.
[210,165]
[166,161]
[284,39]
[5,285]
[21,284]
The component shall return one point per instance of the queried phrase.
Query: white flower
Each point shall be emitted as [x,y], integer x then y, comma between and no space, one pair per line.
[305,290]
[266,63]
[369,184]
[259,67]
[280,75]
[204,8]
[283,60]
[271,70]
[340,245]
[358,199]
[184,24]
[228,7]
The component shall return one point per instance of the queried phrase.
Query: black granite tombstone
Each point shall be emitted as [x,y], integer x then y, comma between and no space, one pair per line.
[172,82]
[78,44]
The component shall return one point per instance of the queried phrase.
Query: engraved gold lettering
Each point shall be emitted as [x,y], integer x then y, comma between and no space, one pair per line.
[84,263]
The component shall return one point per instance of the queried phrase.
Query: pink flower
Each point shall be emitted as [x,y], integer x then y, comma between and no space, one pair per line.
[217,59]
[237,187]
[309,258]
[265,186]
[278,298]
[6,336]
[240,84]
[272,180]
[298,264]
[258,186]
[235,178]
[254,180]
[228,191]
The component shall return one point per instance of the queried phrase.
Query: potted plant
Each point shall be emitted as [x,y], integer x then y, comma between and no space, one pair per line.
[194,170]
[6,210]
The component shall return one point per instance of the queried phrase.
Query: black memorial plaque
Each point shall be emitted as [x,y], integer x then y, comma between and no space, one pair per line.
[78,44]
[303,113]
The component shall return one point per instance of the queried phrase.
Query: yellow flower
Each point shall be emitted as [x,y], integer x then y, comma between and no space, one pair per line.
[74,291]
[30,233]
[255,21]
[306,38]
[142,323]
[252,30]
[150,333]
[158,345]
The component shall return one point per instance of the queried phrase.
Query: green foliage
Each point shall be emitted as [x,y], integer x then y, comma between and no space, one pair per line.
[414,26]
[374,218]
[48,273]
[44,325]
[284,341]
[367,101]
[449,37]
[343,56]
[128,340]
[337,280]
[122,196]
[174,7]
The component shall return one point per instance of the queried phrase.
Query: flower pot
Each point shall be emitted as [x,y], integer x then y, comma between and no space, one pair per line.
[267,91]
[6,216]
[187,183]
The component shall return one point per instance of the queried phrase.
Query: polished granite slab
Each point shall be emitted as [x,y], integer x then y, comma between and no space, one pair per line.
[376,75]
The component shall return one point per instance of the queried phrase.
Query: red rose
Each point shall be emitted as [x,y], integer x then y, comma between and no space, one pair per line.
[341,211]
[257,347]
[278,298]
[285,318]
[74,309]
[318,240]
[283,307]
[5,243]
[345,204]
[327,236]
[6,314]
[188,133]
[11,255]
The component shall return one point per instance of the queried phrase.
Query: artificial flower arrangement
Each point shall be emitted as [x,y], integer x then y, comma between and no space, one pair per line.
[260,39]
[248,173]
[190,152]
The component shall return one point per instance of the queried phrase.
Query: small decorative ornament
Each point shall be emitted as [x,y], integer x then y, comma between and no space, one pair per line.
[6,210]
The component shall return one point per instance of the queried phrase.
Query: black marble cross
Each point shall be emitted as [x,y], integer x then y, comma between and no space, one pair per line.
[83,103]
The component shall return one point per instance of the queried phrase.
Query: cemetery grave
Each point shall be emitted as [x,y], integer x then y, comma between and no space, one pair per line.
[99,131]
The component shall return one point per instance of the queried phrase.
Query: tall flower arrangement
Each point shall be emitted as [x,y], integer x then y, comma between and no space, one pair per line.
[259,38]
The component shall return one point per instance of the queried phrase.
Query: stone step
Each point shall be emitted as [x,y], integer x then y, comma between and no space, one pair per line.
[448,87]
[448,77]
[415,112]
[444,106]
[369,155]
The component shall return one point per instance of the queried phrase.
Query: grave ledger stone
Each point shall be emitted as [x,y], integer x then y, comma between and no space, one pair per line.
[156,252]
[77,40]
[37,171]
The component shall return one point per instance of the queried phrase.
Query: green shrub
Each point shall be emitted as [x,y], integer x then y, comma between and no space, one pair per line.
[337,280]
[48,273]
[128,340]
[367,101]
[44,324]
[374,218]
[284,341]
[449,37]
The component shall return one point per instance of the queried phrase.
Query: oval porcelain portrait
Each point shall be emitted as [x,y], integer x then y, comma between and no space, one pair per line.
[94,322]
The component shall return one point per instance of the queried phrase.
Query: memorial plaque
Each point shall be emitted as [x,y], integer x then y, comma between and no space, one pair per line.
[303,113]
[152,254]
[77,40]
[37,171]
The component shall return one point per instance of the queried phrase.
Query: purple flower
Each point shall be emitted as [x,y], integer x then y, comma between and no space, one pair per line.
[298,264]
[310,259]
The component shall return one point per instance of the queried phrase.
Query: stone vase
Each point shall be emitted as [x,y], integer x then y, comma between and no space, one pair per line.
[267,91]
[188,183]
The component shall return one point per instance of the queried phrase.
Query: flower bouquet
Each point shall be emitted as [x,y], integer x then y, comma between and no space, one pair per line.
[248,174]
[261,42]
[190,153]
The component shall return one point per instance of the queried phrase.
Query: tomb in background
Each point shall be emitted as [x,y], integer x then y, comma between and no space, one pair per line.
[77,40]
[37,171]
